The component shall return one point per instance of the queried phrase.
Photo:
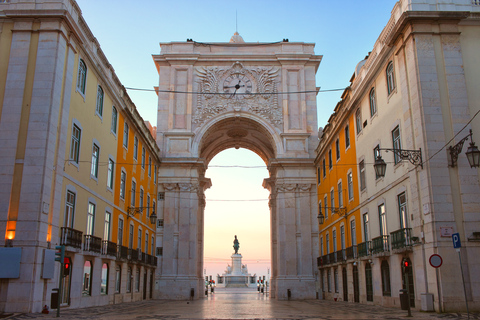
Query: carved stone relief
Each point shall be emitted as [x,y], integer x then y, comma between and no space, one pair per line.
[237,89]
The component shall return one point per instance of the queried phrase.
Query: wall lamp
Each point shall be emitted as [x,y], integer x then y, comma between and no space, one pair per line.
[131,211]
[473,154]
[414,156]
[339,211]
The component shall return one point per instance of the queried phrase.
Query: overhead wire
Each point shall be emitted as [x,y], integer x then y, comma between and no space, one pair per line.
[238,93]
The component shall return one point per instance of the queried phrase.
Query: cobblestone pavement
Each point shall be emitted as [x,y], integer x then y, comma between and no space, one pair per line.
[239,304]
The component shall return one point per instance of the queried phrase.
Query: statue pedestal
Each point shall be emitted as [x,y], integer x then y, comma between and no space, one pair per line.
[235,275]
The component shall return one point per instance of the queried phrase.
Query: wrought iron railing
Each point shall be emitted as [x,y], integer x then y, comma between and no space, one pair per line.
[401,238]
[332,257]
[109,248]
[122,252]
[154,261]
[92,243]
[380,244]
[133,254]
[341,255]
[364,249]
[351,252]
[71,237]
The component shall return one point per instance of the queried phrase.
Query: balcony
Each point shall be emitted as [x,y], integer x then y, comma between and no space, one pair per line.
[109,248]
[351,252]
[122,252]
[133,254]
[71,237]
[364,249]
[332,257]
[401,238]
[380,244]
[341,255]
[92,243]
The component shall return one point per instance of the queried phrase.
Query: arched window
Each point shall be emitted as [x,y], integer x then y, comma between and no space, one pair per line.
[373,106]
[386,289]
[390,78]
[358,120]
[87,278]
[104,280]
[82,77]
[99,107]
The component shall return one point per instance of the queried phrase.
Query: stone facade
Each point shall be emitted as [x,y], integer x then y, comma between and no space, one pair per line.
[60,143]
[280,128]
[415,91]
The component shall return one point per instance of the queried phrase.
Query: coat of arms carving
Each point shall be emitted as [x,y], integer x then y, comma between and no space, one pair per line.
[237,88]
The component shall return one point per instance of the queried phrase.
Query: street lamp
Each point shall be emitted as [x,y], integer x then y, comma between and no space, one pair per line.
[473,154]
[321,218]
[414,156]
[131,211]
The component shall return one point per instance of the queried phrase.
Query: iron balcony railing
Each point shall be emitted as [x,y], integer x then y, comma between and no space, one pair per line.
[380,244]
[154,261]
[332,257]
[341,255]
[122,252]
[133,254]
[109,248]
[92,243]
[71,237]
[401,238]
[351,252]
[364,249]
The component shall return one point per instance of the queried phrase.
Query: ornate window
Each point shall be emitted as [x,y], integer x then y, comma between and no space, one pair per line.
[350,185]
[69,210]
[373,106]
[123,179]
[402,210]
[390,78]
[363,182]
[90,219]
[110,173]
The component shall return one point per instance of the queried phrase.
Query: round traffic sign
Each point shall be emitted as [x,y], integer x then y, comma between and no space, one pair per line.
[435,260]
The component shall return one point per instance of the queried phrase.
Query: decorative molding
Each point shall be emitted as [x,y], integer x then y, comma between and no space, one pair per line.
[188,187]
[212,100]
[286,187]
[170,186]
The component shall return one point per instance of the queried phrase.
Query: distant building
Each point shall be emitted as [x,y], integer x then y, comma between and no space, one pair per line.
[416,90]
[79,166]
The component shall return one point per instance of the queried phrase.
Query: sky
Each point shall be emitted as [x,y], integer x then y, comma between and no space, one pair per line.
[129,32]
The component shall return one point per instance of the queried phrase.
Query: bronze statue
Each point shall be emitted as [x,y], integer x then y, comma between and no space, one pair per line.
[236,245]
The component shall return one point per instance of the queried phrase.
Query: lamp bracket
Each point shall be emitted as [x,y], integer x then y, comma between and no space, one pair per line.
[414,156]
[131,211]
[456,149]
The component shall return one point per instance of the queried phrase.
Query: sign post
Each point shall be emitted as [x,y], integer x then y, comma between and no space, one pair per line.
[457,245]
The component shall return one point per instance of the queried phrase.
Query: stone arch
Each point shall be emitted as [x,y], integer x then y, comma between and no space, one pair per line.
[233,130]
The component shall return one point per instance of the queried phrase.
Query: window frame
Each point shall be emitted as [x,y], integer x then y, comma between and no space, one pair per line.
[95,160]
[385,273]
[114,124]
[337,147]
[350,186]
[87,281]
[144,154]
[99,102]
[125,135]
[358,120]
[135,148]
[347,136]
[363,178]
[397,144]
[123,184]
[390,75]
[82,77]
[373,103]
[330,162]
[75,144]
[402,210]
[90,230]
[104,279]
[110,174]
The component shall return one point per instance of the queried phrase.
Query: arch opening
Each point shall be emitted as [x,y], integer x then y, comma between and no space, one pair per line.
[237,204]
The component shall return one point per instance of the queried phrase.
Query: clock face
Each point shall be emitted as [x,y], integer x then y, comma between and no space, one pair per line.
[237,84]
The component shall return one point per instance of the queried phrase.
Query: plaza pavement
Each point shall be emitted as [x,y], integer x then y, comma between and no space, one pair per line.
[238,304]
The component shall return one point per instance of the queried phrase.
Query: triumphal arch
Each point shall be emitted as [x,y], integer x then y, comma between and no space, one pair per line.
[258,96]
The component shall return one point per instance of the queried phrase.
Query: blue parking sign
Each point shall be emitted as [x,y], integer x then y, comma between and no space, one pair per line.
[456,240]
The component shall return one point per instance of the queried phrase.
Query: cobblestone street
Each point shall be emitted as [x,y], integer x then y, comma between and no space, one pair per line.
[239,304]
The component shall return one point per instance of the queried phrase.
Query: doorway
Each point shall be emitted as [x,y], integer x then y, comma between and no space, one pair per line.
[356,293]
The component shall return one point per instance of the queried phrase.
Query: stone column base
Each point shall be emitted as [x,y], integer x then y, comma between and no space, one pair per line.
[179,287]
[300,288]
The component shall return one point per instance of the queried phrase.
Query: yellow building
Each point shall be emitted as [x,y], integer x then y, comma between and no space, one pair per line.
[338,199]
[63,120]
